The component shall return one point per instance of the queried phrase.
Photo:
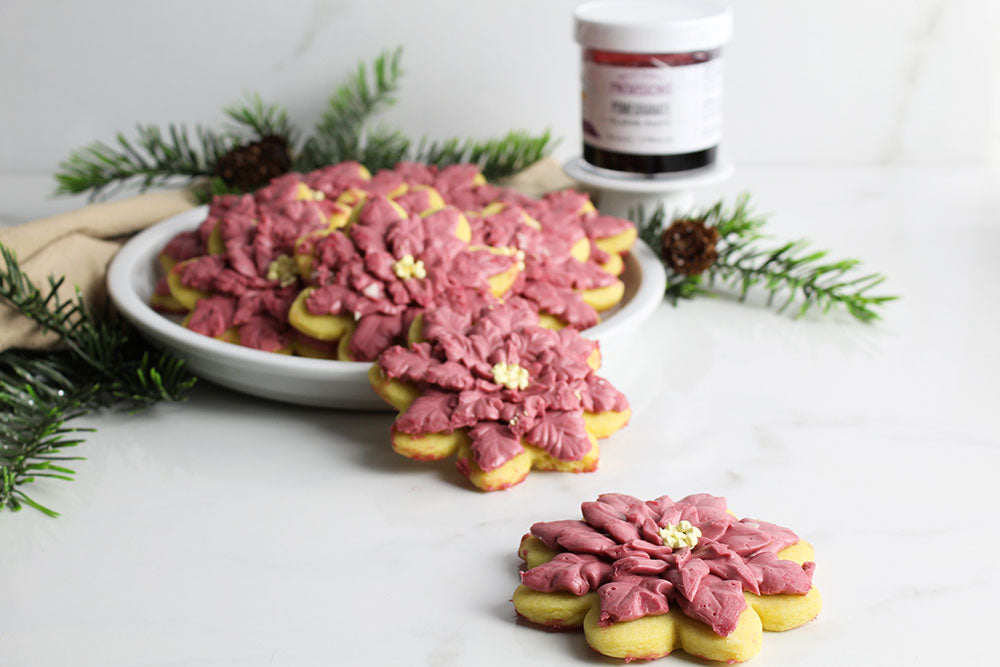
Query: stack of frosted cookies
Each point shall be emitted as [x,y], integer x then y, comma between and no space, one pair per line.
[339,263]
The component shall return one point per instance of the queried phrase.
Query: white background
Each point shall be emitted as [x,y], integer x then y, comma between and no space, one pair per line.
[847,82]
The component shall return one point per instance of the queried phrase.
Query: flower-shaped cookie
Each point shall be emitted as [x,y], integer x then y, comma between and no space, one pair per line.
[645,578]
[371,281]
[502,392]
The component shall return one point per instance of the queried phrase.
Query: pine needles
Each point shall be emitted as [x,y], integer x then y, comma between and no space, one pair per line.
[154,157]
[340,133]
[345,131]
[105,366]
[793,276]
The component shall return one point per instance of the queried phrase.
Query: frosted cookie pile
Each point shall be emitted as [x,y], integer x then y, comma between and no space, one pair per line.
[339,263]
[646,578]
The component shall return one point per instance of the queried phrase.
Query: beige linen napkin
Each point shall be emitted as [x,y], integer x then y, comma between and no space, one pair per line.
[80,244]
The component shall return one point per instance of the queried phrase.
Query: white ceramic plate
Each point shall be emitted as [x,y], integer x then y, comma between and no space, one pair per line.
[338,384]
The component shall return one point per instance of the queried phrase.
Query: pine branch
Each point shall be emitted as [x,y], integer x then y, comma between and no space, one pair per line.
[261,120]
[383,149]
[158,157]
[154,157]
[339,135]
[496,158]
[793,276]
[105,366]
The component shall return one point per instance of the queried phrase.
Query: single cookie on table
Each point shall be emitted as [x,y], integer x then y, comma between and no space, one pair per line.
[646,578]
[501,392]
[370,281]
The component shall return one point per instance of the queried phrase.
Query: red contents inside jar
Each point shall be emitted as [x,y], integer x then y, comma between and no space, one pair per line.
[651,113]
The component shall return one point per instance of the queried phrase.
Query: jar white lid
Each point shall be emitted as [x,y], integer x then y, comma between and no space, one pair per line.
[653,26]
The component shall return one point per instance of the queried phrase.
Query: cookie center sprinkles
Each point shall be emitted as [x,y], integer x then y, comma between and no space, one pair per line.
[681,534]
[516,253]
[408,267]
[282,269]
[512,376]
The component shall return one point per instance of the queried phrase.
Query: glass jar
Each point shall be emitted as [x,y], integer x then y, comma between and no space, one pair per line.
[652,83]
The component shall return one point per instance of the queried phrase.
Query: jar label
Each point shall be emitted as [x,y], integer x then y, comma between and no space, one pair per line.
[653,110]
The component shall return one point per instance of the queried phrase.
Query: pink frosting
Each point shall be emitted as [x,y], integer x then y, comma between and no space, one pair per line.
[415,201]
[455,178]
[201,273]
[357,278]
[280,190]
[597,255]
[354,270]
[473,197]
[453,371]
[184,246]
[617,551]
[212,316]
[273,303]
[562,302]
[263,332]
[416,173]
[333,180]
[508,228]
[603,226]
[383,183]
[223,205]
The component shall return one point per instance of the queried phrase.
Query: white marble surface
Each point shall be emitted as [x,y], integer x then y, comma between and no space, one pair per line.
[232,531]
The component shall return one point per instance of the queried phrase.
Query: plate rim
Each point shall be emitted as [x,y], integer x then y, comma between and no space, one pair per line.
[125,296]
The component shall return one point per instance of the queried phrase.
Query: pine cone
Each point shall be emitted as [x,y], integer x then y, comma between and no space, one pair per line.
[689,246]
[252,165]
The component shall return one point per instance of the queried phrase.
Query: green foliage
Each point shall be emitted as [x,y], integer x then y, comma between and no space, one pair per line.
[104,366]
[340,133]
[344,132]
[260,120]
[496,158]
[154,157]
[793,276]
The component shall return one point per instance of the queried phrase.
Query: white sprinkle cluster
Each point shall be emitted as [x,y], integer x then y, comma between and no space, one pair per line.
[512,376]
[407,268]
[679,535]
[511,251]
[282,269]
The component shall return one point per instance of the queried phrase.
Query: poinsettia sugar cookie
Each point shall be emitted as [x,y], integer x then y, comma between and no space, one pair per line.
[646,578]
[370,280]
[499,391]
